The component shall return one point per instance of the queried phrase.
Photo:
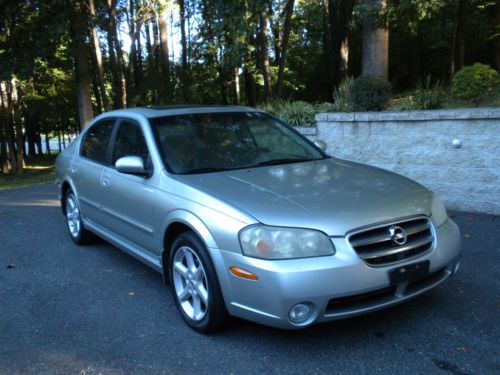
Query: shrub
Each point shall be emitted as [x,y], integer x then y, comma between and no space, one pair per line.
[370,93]
[325,107]
[297,113]
[425,96]
[474,82]
[342,96]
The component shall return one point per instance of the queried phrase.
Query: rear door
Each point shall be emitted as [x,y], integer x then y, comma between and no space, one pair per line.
[128,200]
[87,168]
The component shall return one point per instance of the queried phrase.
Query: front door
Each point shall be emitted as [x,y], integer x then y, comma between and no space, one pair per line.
[129,200]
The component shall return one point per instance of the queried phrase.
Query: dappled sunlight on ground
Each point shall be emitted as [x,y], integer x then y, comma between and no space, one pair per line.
[36,202]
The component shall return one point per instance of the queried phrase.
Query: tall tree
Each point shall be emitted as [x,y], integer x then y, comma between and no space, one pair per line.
[496,36]
[264,50]
[458,49]
[184,53]
[4,119]
[116,56]
[284,45]
[97,56]
[340,14]
[164,91]
[78,29]
[375,54]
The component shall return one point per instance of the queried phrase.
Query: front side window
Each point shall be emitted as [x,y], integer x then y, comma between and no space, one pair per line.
[209,142]
[96,140]
[129,142]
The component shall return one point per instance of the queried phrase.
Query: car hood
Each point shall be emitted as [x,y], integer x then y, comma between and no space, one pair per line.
[331,195]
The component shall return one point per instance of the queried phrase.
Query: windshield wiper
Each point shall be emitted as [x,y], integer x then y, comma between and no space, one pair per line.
[283,161]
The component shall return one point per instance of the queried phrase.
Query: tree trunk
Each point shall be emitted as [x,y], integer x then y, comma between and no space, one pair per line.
[375,54]
[4,164]
[327,50]
[458,39]
[184,65]
[133,72]
[16,109]
[264,52]
[340,16]
[78,28]
[496,44]
[284,45]
[98,57]
[6,93]
[47,143]
[85,111]
[164,90]
[38,143]
[250,88]
[115,57]
[236,80]
[95,88]
[31,138]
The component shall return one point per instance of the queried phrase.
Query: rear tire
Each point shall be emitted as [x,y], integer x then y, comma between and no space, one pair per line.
[77,231]
[194,285]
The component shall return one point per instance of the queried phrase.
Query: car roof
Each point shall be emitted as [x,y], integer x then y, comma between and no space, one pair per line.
[169,110]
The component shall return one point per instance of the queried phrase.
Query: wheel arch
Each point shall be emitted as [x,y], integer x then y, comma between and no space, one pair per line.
[176,223]
[65,187]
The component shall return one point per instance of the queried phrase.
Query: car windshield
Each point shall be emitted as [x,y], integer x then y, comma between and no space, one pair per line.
[211,142]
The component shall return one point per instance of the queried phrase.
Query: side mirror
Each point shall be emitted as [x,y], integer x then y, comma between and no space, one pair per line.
[321,145]
[131,165]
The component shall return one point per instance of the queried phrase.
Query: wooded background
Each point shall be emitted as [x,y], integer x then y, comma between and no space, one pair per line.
[62,62]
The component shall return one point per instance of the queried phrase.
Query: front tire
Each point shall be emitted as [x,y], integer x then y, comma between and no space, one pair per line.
[194,285]
[77,231]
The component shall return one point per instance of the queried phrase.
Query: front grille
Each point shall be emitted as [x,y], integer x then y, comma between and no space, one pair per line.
[377,248]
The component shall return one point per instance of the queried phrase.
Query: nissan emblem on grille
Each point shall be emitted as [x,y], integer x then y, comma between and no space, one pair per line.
[398,235]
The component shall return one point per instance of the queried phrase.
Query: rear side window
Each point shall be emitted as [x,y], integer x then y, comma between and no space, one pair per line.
[96,140]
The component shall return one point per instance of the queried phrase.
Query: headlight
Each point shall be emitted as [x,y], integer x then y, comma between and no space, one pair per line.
[438,211]
[262,241]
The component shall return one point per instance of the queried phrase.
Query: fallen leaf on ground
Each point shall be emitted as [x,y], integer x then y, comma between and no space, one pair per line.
[12,265]
[131,293]
[466,235]
[463,349]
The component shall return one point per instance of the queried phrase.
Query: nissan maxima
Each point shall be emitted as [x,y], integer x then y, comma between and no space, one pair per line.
[246,217]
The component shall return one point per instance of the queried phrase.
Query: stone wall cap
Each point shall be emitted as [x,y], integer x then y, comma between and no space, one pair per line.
[441,114]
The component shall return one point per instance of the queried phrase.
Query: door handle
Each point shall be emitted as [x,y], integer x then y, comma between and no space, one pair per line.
[106,182]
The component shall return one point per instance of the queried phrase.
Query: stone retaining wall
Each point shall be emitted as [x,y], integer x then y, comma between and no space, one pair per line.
[419,144]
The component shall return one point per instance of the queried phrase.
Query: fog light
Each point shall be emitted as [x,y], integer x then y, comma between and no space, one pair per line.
[300,312]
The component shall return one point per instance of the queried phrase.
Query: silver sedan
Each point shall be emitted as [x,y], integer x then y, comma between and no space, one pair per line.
[245,217]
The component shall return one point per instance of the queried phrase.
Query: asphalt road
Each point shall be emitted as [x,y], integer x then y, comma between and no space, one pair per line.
[89,310]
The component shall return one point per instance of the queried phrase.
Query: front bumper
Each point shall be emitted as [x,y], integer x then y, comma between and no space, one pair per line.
[337,286]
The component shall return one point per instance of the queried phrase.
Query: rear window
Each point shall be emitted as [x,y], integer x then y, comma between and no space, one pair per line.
[96,141]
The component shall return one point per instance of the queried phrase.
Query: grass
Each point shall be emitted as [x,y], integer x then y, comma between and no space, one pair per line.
[36,172]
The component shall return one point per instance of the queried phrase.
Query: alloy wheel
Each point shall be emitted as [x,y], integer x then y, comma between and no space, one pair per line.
[73,216]
[190,283]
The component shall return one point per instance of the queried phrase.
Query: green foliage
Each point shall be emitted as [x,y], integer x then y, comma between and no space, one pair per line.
[342,96]
[425,96]
[370,93]
[298,113]
[428,95]
[325,107]
[474,82]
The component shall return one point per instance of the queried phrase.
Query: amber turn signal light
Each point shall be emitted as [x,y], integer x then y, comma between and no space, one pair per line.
[240,272]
